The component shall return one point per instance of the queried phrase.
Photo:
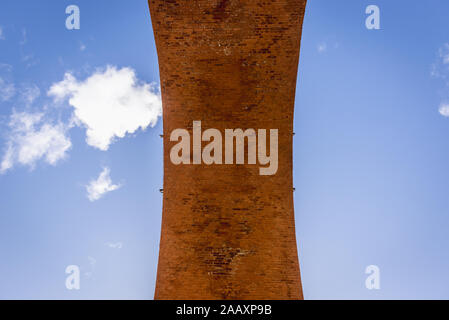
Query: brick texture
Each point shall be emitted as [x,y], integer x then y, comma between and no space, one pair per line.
[228,232]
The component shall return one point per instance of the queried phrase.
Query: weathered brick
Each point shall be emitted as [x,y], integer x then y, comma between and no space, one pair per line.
[228,232]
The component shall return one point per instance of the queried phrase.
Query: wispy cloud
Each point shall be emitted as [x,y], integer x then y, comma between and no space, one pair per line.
[97,188]
[92,264]
[117,245]
[444,109]
[444,53]
[32,138]
[322,47]
[29,60]
[24,37]
[110,104]
[30,93]
[92,261]
[7,90]
[6,67]
[327,46]
[440,70]
[2,35]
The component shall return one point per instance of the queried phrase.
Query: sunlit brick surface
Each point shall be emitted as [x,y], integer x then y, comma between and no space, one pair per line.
[228,232]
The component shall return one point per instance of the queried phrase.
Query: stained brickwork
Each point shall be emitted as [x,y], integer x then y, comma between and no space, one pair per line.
[228,232]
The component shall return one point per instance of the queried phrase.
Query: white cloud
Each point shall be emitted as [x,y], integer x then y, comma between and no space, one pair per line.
[7,90]
[2,35]
[82,47]
[32,138]
[444,109]
[8,159]
[102,185]
[117,245]
[110,104]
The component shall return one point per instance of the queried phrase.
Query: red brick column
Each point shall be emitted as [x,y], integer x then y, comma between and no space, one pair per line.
[227,231]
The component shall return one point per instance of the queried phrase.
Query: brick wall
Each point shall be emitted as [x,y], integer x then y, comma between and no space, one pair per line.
[228,232]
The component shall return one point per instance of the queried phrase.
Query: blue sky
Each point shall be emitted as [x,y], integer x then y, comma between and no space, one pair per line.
[370,151]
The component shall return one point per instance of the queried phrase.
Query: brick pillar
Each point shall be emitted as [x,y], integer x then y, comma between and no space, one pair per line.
[227,231]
